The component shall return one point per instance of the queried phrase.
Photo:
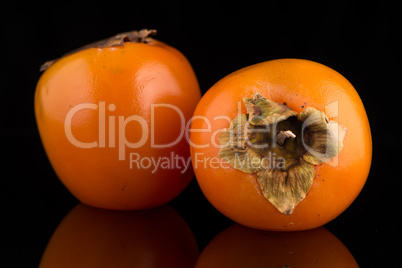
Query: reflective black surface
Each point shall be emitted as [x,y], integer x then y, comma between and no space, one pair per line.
[359,41]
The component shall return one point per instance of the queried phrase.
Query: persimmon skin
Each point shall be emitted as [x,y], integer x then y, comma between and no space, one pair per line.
[299,84]
[127,80]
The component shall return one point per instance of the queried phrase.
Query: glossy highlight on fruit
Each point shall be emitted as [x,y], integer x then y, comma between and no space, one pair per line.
[317,140]
[112,118]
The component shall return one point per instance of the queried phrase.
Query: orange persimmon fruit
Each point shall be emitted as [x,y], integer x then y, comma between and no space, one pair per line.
[281,145]
[112,118]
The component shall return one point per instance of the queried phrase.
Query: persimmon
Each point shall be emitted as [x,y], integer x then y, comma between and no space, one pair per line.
[281,145]
[112,118]
[94,237]
[239,246]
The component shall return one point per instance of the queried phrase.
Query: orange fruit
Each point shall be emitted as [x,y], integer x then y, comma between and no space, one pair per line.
[299,180]
[112,120]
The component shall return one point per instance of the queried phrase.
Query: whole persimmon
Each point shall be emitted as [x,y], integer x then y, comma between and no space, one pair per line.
[281,145]
[93,237]
[112,118]
[239,246]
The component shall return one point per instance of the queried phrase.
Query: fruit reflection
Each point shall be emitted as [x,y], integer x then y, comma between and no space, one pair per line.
[91,237]
[239,246]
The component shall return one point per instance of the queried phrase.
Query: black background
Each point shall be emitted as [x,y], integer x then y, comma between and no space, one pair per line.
[361,41]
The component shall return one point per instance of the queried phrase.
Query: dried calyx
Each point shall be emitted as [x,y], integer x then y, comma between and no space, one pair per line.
[281,147]
[142,36]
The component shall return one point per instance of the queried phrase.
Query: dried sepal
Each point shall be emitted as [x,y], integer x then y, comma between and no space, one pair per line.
[286,189]
[142,36]
[234,147]
[264,112]
[286,178]
[325,137]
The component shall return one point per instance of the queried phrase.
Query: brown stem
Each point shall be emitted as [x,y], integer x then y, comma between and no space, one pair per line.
[142,36]
[284,183]
[283,135]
